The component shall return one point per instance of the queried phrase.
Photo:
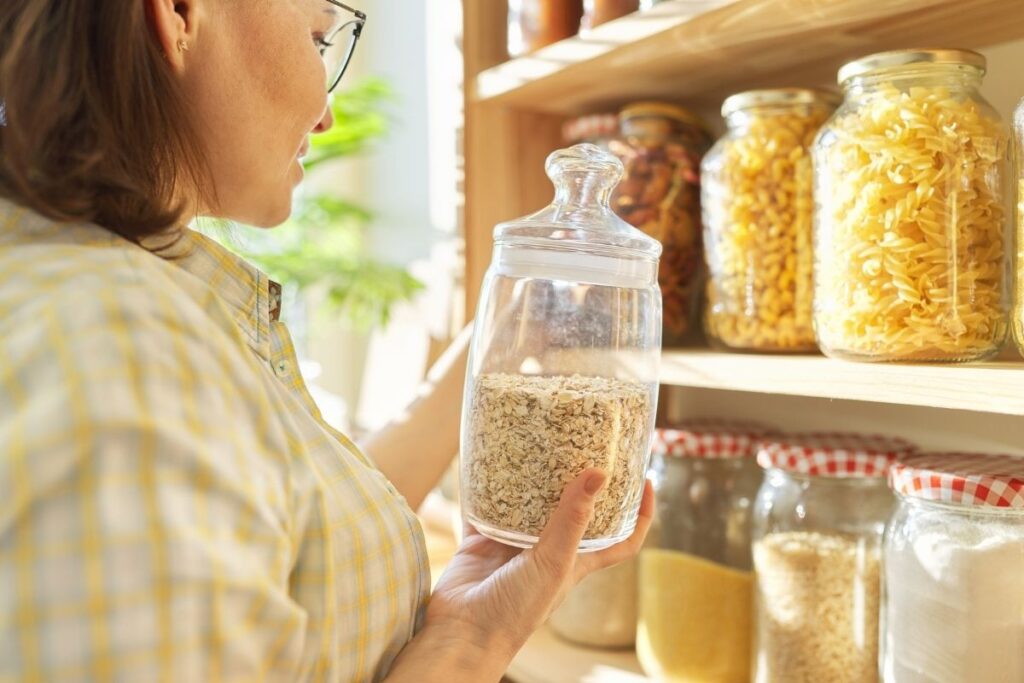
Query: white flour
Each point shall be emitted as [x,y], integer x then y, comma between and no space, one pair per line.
[955,604]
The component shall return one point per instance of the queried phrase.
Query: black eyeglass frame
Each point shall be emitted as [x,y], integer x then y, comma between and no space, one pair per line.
[359,21]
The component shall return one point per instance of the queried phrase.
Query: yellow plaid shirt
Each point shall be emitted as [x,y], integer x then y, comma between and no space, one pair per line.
[172,505]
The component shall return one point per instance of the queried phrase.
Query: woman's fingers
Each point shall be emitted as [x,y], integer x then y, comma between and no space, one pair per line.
[555,553]
[620,552]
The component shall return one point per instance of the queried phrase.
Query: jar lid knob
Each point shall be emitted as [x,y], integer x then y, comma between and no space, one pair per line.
[584,174]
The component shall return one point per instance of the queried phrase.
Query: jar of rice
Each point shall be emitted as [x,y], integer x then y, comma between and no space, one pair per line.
[912,242]
[818,522]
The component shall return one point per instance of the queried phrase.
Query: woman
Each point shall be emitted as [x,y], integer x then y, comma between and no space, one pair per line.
[172,506]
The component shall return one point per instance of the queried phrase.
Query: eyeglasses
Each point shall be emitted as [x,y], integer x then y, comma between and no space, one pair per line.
[338,44]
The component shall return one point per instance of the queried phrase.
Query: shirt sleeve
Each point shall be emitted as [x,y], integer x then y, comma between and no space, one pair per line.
[144,526]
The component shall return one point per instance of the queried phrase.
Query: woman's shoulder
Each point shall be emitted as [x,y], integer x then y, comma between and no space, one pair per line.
[75,269]
[89,286]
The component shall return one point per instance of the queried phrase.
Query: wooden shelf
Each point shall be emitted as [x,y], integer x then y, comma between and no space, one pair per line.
[546,659]
[994,387]
[704,50]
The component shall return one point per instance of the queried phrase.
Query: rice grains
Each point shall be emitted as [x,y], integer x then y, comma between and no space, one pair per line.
[818,608]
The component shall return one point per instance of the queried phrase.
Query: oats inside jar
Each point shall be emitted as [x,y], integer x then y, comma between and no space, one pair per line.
[530,436]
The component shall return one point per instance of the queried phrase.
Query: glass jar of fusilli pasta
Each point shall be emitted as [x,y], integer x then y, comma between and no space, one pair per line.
[912,242]
[758,213]
[1018,313]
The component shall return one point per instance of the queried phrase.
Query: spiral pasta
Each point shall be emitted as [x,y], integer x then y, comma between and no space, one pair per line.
[758,212]
[911,255]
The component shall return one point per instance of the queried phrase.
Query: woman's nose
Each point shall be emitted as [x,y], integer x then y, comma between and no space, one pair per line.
[326,122]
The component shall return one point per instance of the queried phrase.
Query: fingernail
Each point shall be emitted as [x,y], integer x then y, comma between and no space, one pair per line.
[594,483]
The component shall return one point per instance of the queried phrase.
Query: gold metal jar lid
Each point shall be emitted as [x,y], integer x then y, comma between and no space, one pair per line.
[779,96]
[883,61]
[662,109]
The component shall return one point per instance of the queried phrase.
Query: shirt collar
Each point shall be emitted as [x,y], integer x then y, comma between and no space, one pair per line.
[253,299]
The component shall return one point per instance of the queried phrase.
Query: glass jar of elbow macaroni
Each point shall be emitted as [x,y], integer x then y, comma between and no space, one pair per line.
[756,197]
[912,243]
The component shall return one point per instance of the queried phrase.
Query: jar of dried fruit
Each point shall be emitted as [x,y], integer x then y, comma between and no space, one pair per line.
[563,367]
[817,531]
[756,197]
[533,24]
[661,147]
[912,246]
[696,583]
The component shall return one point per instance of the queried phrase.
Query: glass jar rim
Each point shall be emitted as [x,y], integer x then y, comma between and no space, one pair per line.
[663,109]
[779,96]
[899,59]
[848,480]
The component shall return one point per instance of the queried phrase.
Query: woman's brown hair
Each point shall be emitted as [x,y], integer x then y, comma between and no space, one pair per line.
[97,127]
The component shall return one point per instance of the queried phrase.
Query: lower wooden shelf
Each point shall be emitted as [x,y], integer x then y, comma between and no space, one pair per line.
[991,387]
[548,659]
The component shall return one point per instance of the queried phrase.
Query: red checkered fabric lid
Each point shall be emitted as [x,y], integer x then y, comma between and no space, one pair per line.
[591,127]
[710,439]
[833,454]
[961,478]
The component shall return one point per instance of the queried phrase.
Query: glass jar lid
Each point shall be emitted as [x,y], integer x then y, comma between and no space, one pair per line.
[665,110]
[973,479]
[779,97]
[578,237]
[825,454]
[712,439]
[899,59]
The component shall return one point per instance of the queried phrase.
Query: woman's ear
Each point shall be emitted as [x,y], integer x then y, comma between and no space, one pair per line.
[174,25]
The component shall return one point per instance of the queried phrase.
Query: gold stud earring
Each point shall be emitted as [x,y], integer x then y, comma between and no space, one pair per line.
[182,46]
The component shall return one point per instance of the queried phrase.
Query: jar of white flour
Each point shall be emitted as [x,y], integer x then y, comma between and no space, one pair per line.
[953,579]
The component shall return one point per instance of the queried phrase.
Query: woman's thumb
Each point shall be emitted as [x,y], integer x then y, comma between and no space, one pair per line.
[562,535]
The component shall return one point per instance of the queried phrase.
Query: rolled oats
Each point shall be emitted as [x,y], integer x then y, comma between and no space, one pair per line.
[530,436]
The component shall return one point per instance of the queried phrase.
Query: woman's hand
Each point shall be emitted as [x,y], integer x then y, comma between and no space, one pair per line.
[492,597]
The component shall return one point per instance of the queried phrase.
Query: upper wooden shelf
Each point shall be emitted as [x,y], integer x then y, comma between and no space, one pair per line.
[994,387]
[703,50]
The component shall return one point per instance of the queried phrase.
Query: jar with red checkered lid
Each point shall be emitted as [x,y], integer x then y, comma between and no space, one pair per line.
[953,604]
[817,535]
[696,585]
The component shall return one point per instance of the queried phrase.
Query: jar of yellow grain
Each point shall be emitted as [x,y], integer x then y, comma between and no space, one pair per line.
[756,197]
[696,585]
[912,242]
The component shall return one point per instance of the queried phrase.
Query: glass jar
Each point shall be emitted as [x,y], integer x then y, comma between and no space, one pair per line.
[597,12]
[1018,313]
[818,524]
[661,147]
[563,365]
[597,129]
[600,611]
[756,197]
[696,584]
[533,24]
[911,231]
[954,570]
